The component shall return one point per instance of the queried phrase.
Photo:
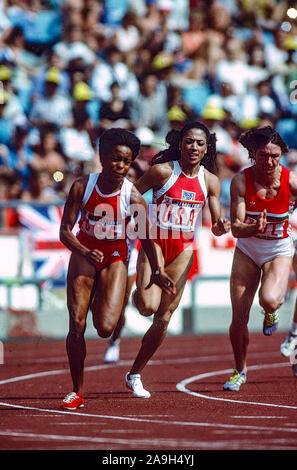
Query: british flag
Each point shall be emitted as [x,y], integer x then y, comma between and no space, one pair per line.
[49,256]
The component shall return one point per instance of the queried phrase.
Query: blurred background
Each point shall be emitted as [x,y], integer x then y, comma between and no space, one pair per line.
[70,69]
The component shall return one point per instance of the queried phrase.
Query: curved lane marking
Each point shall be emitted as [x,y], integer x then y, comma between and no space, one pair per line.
[182,386]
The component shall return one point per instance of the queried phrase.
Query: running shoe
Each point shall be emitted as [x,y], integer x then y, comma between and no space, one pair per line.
[112,353]
[72,401]
[288,345]
[235,381]
[134,383]
[271,321]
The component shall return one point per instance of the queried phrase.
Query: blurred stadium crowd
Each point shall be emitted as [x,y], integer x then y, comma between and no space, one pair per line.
[71,68]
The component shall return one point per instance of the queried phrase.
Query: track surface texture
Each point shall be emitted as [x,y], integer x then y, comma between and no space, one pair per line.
[188,408]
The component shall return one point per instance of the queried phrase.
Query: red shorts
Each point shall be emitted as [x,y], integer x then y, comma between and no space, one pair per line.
[172,247]
[113,250]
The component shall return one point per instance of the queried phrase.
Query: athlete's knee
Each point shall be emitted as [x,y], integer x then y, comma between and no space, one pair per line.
[270,301]
[145,306]
[77,325]
[104,328]
[239,322]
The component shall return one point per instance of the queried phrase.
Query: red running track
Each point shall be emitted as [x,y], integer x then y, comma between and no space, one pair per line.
[188,408]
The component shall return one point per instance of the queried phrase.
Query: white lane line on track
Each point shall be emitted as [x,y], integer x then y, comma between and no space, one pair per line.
[127,363]
[174,443]
[260,417]
[182,386]
[142,442]
[154,421]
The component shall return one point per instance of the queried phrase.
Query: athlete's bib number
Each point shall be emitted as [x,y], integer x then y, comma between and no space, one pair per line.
[273,230]
[178,214]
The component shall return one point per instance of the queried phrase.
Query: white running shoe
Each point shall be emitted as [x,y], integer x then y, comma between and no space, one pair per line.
[134,383]
[112,353]
[288,345]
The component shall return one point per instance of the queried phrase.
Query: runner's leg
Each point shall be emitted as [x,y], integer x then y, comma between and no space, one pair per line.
[245,277]
[80,281]
[108,297]
[157,332]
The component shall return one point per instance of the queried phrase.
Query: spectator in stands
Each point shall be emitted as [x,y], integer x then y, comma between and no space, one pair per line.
[54,107]
[233,69]
[84,98]
[19,154]
[73,46]
[40,21]
[176,104]
[149,108]
[116,112]
[110,69]
[195,35]
[25,65]
[39,79]
[127,37]
[11,112]
[48,154]
[76,142]
[148,147]
[41,187]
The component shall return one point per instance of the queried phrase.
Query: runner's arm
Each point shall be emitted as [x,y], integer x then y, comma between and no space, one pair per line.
[70,214]
[159,276]
[220,225]
[239,228]
[154,177]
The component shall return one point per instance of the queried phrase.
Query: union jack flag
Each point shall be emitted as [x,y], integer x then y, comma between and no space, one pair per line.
[49,256]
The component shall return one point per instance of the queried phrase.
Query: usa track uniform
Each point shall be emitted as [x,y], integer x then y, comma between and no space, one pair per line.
[103,221]
[179,203]
[276,240]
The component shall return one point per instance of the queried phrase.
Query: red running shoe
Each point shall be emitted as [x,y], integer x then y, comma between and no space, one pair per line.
[72,401]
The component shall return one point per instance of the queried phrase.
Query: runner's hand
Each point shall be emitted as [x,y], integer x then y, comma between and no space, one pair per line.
[164,281]
[261,221]
[224,225]
[95,256]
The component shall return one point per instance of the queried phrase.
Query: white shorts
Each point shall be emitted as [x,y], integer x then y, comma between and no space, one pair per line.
[261,251]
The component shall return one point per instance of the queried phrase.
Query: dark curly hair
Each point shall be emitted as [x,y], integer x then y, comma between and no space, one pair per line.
[174,137]
[256,138]
[116,136]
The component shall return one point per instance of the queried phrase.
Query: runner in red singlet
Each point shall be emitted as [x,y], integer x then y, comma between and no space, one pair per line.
[182,180]
[97,272]
[261,196]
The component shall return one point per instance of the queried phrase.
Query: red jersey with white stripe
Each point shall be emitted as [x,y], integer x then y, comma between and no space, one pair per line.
[180,200]
[104,216]
[103,221]
[179,203]
[278,208]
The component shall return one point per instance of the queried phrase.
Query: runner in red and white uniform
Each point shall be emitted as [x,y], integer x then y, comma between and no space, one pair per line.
[258,247]
[97,272]
[182,180]
[261,197]
[112,352]
[104,218]
[178,204]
